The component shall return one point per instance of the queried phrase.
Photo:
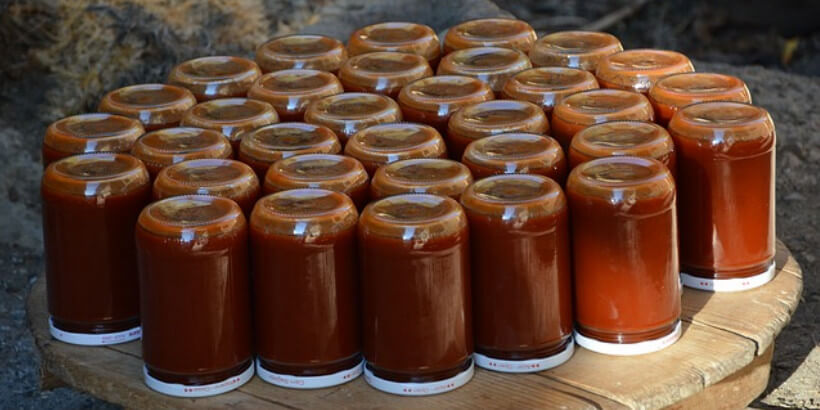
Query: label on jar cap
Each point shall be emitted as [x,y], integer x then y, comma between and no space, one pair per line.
[204,390]
[629,349]
[728,285]
[525,366]
[309,382]
[419,389]
[94,339]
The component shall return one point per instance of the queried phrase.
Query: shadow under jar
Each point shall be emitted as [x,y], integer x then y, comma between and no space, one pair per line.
[385,143]
[291,91]
[574,49]
[325,171]
[415,281]
[493,65]
[516,153]
[161,148]
[422,175]
[623,138]
[625,255]
[215,77]
[669,94]
[585,108]
[306,289]
[308,51]
[157,106]
[490,32]
[433,100]
[491,118]
[233,117]
[410,38]
[89,133]
[638,70]
[90,207]
[216,177]
[726,174]
[349,113]
[264,146]
[195,296]
[383,72]
[546,86]
[522,284]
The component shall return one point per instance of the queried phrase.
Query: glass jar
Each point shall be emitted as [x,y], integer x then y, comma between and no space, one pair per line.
[291,91]
[623,138]
[422,175]
[493,65]
[161,148]
[679,90]
[325,171]
[214,77]
[726,174]
[490,32]
[516,153]
[157,106]
[574,49]
[491,118]
[89,133]
[638,70]
[90,207]
[408,38]
[309,51]
[383,72]
[263,146]
[546,86]
[416,303]
[385,143]
[231,116]
[348,113]
[433,100]
[195,296]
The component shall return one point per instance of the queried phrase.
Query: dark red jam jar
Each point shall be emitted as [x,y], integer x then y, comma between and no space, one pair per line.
[157,106]
[421,175]
[574,49]
[264,146]
[623,138]
[216,76]
[433,100]
[490,32]
[325,171]
[385,143]
[403,37]
[233,117]
[516,153]
[291,91]
[671,93]
[161,148]
[349,113]
[309,51]
[89,133]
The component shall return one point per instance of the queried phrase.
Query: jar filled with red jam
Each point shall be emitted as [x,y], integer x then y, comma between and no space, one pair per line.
[726,157]
[161,148]
[574,49]
[231,116]
[638,70]
[262,147]
[623,138]
[585,108]
[309,51]
[157,106]
[416,307]
[216,76]
[433,100]
[403,37]
[516,153]
[90,207]
[493,65]
[490,32]
[386,143]
[546,86]
[306,288]
[195,296]
[422,175]
[522,283]
[491,118]
[625,255]
[348,113]
[291,91]
[671,93]
[325,171]
[89,133]
[216,177]
[383,72]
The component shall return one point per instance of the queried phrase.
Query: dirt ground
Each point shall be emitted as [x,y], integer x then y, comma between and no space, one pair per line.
[35,92]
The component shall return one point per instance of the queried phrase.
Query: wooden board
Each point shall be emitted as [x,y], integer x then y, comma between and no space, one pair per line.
[722,359]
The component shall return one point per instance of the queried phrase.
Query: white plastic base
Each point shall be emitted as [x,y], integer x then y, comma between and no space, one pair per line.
[94,339]
[629,349]
[181,390]
[728,285]
[525,366]
[420,389]
[309,382]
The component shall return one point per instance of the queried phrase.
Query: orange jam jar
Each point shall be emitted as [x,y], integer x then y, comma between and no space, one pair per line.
[638,70]
[516,153]
[546,86]
[89,133]
[580,110]
[263,146]
[215,177]
[291,91]
[309,51]
[490,32]
[386,143]
[157,106]
[348,113]
[326,171]
[623,138]
[216,76]
[421,176]
[490,118]
[383,72]
[433,100]
[679,90]
[161,148]
[493,65]
[231,116]
[408,38]
[574,49]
